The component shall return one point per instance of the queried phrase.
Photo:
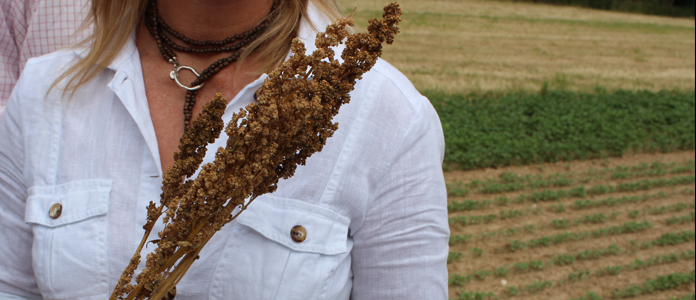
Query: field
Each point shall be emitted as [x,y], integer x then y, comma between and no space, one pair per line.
[523,90]
[488,45]
[560,230]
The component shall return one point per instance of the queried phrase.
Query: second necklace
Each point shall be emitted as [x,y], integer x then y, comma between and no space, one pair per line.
[234,45]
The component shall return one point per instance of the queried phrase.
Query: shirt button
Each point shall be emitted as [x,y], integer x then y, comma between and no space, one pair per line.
[298,234]
[55,211]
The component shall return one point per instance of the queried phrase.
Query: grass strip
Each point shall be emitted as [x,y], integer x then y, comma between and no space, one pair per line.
[495,130]
[632,6]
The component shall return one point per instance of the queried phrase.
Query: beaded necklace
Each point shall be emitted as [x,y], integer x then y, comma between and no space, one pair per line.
[234,45]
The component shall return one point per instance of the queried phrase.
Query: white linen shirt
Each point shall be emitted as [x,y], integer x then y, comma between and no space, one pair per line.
[373,201]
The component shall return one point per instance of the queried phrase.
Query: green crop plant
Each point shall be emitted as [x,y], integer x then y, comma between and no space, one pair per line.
[457,189]
[579,275]
[547,195]
[460,280]
[538,286]
[512,291]
[536,265]
[578,192]
[685,297]
[460,239]
[473,220]
[521,267]
[564,259]
[598,253]
[681,220]
[477,252]
[481,275]
[497,188]
[502,201]
[590,296]
[634,213]
[558,208]
[501,272]
[671,239]
[630,227]
[593,219]
[611,201]
[514,246]
[464,295]
[560,223]
[660,283]
[530,228]
[600,190]
[510,214]
[610,271]
[454,256]
[468,205]
[668,209]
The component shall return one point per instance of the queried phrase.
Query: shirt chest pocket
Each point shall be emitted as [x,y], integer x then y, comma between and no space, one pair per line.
[69,249]
[285,249]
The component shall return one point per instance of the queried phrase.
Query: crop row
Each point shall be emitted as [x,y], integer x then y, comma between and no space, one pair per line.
[546,241]
[509,182]
[597,218]
[681,220]
[671,239]
[661,283]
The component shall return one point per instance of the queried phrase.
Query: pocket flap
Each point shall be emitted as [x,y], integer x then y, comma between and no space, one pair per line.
[274,218]
[80,200]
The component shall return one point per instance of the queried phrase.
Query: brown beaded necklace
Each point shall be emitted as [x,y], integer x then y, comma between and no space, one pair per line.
[234,45]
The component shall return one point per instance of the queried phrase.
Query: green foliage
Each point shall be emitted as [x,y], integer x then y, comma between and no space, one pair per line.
[685,297]
[558,208]
[512,291]
[510,214]
[502,201]
[477,252]
[467,205]
[661,283]
[577,276]
[454,256]
[460,239]
[472,220]
[464,295]
[501,272]
[507,129]
[671,239]
[560,223]
[538,286]
[610,270]
[681,220]
[460,280]
[564,259]
[590,296]
[648,7]
[611,201]
[481,275]
[457,190]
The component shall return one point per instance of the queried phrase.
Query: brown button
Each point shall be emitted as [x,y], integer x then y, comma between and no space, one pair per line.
[55,211]
[298,234]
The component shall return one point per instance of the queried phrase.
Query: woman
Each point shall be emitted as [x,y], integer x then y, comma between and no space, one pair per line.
[81,159]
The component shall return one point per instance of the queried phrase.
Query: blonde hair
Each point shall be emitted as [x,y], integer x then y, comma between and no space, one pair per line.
[106,39]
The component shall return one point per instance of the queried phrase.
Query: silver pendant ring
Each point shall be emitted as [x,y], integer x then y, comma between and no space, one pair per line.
[175,75]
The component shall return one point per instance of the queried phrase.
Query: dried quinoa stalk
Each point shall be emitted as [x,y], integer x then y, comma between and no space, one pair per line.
[290,121]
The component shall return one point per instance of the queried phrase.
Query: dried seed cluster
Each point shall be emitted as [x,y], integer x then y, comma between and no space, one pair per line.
[290,121]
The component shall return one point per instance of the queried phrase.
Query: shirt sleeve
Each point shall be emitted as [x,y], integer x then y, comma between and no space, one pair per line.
[400,251]
[16,272]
